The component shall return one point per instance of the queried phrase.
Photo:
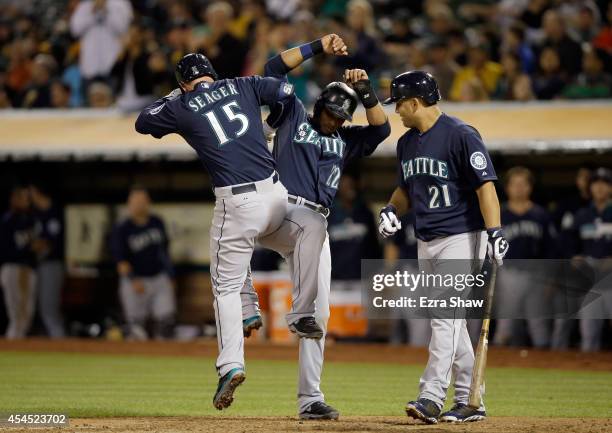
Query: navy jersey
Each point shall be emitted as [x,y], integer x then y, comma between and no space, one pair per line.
[593,232]
[144,247]
[405,238]
[532,235]
[309,163]
[352,237]
[222,122]
[565,213]
[440,171]
[17,231]
[50,227]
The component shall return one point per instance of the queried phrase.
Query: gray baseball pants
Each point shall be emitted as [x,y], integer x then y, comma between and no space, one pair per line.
[450,349]
[49,282]
[302,240]
[157,301]
[238,220]
[19,287]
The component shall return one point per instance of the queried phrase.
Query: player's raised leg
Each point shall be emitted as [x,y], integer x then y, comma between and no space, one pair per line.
[310,232]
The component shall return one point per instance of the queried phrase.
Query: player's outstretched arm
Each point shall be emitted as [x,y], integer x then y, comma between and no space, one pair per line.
[279,65]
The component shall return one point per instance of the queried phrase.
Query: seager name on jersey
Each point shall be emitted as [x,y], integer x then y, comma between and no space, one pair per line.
[424,166]
[205,98]
[307,134]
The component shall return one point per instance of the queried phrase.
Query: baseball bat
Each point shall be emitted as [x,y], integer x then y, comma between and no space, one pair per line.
[480,360]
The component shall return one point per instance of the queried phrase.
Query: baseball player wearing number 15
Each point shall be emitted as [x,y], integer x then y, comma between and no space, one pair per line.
[446,177]
[221,120]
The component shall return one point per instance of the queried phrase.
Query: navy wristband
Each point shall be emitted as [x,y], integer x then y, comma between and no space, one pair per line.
[311,49]
[306,51]
[388,208]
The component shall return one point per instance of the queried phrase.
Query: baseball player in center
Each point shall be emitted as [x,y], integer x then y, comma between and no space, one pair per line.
[310,152]
[446,177]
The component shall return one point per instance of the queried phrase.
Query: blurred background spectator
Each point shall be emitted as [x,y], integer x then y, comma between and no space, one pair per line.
[100,26]
[593,82]
[477,80]
[133,46]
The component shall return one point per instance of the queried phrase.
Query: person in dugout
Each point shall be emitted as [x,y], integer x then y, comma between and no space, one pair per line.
[140,247]
[530,229]
[592,248]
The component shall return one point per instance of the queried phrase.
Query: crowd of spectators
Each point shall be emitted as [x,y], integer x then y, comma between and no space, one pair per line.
[100,53]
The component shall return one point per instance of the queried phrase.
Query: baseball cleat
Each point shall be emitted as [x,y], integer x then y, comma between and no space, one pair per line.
[227,385]
[423,409]
[320,410]
[461,412]
[306,327]
[251,324]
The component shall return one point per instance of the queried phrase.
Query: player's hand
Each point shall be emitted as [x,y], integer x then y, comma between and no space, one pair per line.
[333,44]
[497,246]
[138,286]
[388,224]
[359,81]
[351,76]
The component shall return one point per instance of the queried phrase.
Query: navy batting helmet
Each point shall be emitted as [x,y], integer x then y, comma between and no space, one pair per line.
[193,66]
[338,98]
[414,84]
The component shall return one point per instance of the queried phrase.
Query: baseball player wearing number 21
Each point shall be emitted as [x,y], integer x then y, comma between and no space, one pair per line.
[446,178]
[221,120]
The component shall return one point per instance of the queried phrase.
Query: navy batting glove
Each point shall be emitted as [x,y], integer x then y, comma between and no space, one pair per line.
[497,246]
[388,224]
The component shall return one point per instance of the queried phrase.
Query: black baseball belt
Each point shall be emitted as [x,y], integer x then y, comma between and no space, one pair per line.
[249,187]
[309,205]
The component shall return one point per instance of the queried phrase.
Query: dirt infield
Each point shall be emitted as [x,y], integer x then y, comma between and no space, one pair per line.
[345,424]
[497,357]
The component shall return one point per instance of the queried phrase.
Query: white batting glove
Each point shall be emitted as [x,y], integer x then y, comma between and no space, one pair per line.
[388,224]
[498,246]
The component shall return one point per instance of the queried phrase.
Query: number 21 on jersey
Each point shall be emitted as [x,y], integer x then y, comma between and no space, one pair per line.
[437,194]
